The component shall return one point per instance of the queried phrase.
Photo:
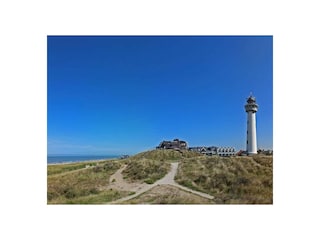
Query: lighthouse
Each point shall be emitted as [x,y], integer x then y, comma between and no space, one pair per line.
[251,109]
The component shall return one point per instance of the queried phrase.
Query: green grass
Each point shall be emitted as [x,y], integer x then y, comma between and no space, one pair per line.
[167,194]
[77,186]
[146,170]
[153,165]
[231,180]
[165,154]
[100,198]
[62,168]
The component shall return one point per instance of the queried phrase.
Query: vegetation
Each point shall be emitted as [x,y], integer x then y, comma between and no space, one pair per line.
[87,185]
[100,198]
[229,179]
[165,154]
[61,168]
[146,170]
[167,194]
[153,165]
[238,180]
[87,182]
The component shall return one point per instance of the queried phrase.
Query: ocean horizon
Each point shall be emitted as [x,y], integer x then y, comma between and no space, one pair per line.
[51,159]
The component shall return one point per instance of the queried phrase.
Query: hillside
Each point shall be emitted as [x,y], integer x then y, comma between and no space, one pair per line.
[153,165]
[230,180]
[82,183]
[165,154]
[239,180]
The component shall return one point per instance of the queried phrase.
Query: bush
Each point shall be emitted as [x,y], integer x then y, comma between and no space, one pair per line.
[149,181]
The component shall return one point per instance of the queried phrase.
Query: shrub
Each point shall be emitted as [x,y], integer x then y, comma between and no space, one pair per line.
[149,181]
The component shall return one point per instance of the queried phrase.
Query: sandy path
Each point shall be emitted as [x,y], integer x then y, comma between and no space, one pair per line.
[141,188]
[116,181]
[169,179]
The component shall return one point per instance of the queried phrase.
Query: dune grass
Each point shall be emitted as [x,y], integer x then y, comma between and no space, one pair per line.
[61,168]
[102,197]
[153,165]
[88,184]
[146,170]
[231,180]
[165,154]
[239,180]
[166,194]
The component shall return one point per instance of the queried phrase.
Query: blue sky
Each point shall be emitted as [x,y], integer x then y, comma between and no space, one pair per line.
[125,94]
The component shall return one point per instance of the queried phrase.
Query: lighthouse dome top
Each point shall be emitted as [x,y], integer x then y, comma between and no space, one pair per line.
[251,99]
[251,105]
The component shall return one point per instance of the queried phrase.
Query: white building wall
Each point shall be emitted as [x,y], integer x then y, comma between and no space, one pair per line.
[226,151]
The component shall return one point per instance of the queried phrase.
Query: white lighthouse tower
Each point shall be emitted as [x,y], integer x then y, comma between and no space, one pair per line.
[251,109]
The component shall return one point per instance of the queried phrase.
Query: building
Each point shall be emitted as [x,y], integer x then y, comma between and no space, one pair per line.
[226,151]
[251,108]
[220,151]
[175,144]
[265,152]
[204,150]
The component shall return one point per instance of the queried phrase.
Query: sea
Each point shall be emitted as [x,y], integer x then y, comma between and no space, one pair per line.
[54,159]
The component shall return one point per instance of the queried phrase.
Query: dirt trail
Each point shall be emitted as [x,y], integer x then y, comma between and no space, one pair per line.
[69,172]
[116,181]
[141,188]
[169,179]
